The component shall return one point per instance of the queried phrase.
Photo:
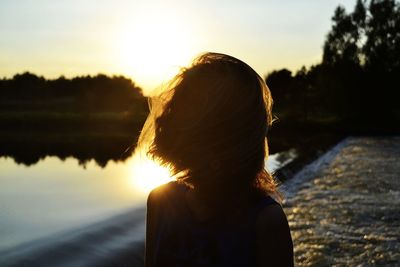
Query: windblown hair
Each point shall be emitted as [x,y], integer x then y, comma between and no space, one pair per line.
[209,127]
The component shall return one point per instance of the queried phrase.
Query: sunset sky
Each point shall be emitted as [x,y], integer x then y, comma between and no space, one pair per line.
[149,40]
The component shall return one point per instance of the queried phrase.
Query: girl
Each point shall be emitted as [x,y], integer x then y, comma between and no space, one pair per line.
[210,129]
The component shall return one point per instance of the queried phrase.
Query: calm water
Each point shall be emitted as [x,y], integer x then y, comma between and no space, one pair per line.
[54,196]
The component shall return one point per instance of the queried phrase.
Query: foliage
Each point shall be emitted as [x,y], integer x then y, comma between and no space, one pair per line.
[357,81]
[80,94]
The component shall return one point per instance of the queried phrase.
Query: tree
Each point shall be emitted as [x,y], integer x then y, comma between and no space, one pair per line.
[280,83]
[382,48]
[343,41]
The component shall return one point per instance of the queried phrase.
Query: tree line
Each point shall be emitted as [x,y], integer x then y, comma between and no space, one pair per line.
[356,83]
[100,93]
[88,117]
[358,79]
[356,86]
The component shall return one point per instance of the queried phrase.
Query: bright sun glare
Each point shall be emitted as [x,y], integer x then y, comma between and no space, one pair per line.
[153,47]
[147,174]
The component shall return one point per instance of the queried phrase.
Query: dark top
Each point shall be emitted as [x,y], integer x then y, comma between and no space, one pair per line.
[180,240]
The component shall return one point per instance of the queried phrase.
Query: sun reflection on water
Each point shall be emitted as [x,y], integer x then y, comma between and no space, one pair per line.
[147,174]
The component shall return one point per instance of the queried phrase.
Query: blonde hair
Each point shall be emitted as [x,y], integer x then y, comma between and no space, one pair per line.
[209,126]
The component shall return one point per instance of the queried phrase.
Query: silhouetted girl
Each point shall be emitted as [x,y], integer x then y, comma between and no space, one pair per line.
[210,128]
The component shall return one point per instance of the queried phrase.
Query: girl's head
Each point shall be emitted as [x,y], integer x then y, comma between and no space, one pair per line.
[210,126]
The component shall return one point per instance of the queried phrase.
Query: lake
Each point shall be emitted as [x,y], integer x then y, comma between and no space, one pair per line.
[56,201]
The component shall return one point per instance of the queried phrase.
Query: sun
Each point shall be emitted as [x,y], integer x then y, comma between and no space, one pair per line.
[147,174]
[154,46]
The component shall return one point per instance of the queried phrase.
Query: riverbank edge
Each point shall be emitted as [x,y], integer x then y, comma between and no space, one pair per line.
[302,170]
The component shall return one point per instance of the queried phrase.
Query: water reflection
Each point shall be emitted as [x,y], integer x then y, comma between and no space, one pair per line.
[147,174]
[54,194]
[101,148]
[81,208]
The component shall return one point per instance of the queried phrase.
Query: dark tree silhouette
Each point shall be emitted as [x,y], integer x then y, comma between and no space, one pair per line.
[355,89]
[89,117]
[281,84]
[342,42]
[99,93]
[356,84]
[382,48]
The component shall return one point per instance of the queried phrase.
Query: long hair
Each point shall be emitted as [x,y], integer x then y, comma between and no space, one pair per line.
[209,127]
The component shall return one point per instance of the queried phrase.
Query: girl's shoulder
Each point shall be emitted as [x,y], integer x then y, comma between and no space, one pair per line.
[166,192]
[169,188]
[266,201]
[273,239]
[264,208]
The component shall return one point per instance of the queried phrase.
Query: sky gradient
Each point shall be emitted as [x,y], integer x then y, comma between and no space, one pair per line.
[149,40]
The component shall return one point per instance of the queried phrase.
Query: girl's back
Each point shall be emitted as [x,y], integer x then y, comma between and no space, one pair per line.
[180,238]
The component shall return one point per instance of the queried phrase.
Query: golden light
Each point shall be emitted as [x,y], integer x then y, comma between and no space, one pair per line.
[147,174]
[153,46]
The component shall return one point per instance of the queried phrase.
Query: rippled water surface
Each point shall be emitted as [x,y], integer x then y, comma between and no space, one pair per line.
[344,209]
